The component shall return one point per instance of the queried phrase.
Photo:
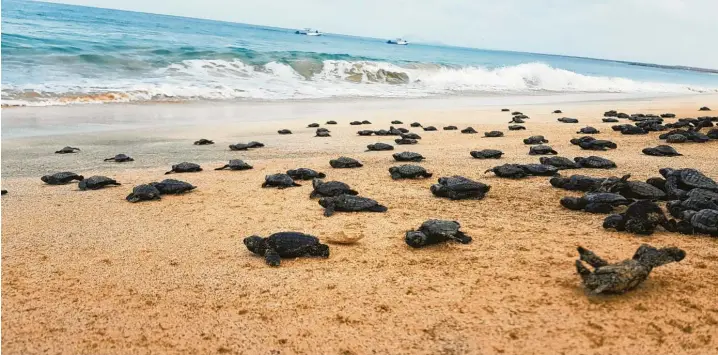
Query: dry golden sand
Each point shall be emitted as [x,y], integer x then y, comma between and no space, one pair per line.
[88,273]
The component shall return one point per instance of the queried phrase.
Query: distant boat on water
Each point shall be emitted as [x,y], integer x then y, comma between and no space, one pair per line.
[308,32]
[398,41]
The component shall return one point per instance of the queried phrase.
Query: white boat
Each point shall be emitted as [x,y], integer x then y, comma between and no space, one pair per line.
[308,32]
[398,41]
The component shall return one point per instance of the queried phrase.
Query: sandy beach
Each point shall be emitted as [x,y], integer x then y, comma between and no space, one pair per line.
[89,273]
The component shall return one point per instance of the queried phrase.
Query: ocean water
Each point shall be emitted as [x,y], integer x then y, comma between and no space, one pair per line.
[60,54]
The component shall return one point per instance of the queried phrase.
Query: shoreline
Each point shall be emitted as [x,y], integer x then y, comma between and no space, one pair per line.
[23,122]
[88,272]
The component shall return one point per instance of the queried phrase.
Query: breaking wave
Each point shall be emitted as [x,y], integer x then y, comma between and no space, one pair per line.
[313,78]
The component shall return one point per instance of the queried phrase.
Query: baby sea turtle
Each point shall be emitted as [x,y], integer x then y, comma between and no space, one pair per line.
[450,128]
[397,122]
[516,113]
[379,147]
[67,150]
[567,120]
[600,202]
[588,130]
[493,134]
[469,130]
[365,122]
[609,120]
[641,217]
[355,123]
[459,188]
[255,144]
[597,144]
[406,141]
[395,131]
[381,132]
[429,129]
[322,134]
[680,180]
[331,122]
[632,130]
[516,127]
[61,178]
[661,151]
[539,169]
[632,189]
[668,115]
[345,163]
[330,189]
[559,162]
[143,192]
[516,119]
[535,140]
[557,111]
[703,194]
[577,183]
[284,131]
[236,164]
[486,154]
[410,135]
[323,130]
[577,141]
[625,275]
[313,125]
[542,150]
[704,108]
[415,124]
[305,174]
[96,182]
[703,221]
[3,192]
[120,158]
[505,110]
[349,203]
[286,245]
[408,156]
[594,162]
[408,172]
[435,231]
[239,146]
[184,167]
[203,142]
[173,187]
[511,171]
[280,181]
[366,132]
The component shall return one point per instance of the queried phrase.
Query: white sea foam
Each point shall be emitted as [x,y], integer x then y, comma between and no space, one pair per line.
[230,80]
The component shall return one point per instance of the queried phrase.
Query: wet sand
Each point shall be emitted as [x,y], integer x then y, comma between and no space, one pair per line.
[89,273]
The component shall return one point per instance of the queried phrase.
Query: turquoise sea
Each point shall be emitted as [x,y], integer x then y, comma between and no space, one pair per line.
[60,54]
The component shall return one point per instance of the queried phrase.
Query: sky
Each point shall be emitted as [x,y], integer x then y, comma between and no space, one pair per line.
[671,32]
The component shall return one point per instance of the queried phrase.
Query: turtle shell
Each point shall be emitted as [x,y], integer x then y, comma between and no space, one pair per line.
[487,154]
[696,179]
[291,244]
[706,221]
[559,162]
[408,156]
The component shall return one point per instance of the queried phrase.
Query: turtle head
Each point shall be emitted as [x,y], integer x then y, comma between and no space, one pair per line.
[653,257]
[45,178]
[316,183]
[255,244]
[416,239]
[614,221]
[665,171]
[573,203]
[558,181]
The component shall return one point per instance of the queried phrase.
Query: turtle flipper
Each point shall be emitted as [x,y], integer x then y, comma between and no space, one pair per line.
[272,258]
[377,208]
[591,258]
[222,168]
[461,238]
[264,184]
[295,184]
[108,159]
[169,172]
[329,210]
[582,270]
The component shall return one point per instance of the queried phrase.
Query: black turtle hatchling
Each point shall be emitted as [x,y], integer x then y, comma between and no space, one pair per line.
[469,130]
[408,172]
[408,156]
[203,142]
[173,187]
[559,162]
[493,134]
[542,150]
[305,174]
[144,192]
[330,189]
[96,182]
[184,167]
[280,181]
[235,164]
[349,203]
[120,158]
[435,231]
[661,151]
[594,162]
[67,150]
[345,163]
[286,245]
[600,202]
[625,275]
[379,147]
[486,154]
[459,188]
[62,178]
[535,140]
